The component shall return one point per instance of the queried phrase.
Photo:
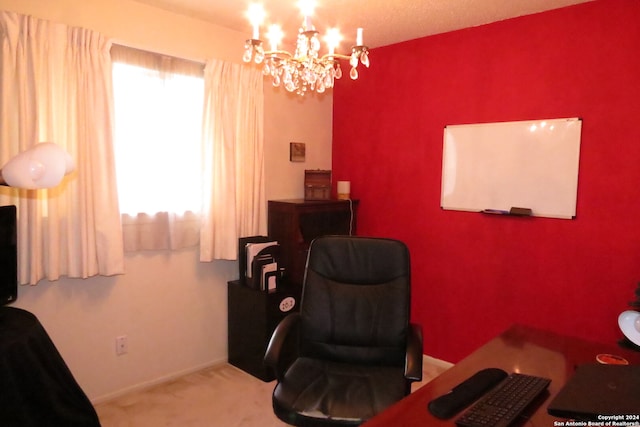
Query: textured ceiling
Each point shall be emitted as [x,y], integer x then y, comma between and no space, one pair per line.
[384,21]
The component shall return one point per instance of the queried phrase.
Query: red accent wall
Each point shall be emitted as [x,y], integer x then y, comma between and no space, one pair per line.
[475,274]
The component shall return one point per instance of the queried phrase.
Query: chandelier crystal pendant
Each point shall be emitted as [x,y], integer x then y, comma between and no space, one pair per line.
[304,70]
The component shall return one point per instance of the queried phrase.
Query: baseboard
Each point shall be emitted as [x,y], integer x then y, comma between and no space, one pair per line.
[148,384]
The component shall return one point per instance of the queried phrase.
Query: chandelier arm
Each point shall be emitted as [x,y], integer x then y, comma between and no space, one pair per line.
[278,54]
[334,56]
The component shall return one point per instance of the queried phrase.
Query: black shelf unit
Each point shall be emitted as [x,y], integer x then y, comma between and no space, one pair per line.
[253,315]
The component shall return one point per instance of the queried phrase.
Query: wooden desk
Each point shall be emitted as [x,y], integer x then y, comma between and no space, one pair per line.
[519,349]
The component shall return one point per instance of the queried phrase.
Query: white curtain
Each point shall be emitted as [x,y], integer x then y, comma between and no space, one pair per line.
[56,86]
[234,196]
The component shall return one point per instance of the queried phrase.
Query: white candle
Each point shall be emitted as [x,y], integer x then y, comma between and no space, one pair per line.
[256,16]
[333,39]
[308,25]
[344,190]
[359,37]
[274,35]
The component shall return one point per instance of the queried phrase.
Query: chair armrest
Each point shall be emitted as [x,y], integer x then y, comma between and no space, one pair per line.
[413,358]
[272,356]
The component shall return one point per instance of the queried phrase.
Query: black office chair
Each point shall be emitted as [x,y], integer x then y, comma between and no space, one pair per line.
[357,353]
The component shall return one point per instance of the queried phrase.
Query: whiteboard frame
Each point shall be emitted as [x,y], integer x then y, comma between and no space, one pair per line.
[528,164]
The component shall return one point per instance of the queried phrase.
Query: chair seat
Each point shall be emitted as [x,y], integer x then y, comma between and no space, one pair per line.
[320,392]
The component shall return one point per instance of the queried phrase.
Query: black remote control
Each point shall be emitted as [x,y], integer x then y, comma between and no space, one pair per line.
[466,392]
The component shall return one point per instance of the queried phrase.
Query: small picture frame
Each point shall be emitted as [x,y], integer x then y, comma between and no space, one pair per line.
[297,151]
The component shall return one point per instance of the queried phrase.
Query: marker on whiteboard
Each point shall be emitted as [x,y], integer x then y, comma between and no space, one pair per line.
[495,211]
[512,211]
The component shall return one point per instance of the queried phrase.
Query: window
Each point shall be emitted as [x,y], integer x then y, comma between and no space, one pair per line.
[159,106]
[158,103]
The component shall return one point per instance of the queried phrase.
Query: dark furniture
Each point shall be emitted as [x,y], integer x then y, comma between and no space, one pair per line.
[37,387]
[357,351]
[253,315]
[295,223]
[518,349]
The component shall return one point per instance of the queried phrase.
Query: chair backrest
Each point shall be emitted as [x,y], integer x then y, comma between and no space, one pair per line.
[355,300]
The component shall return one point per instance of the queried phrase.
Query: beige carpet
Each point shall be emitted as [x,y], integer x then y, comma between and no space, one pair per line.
[218,396]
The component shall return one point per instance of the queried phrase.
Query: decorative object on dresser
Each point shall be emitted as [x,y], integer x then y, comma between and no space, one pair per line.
[317,184]
[344,190]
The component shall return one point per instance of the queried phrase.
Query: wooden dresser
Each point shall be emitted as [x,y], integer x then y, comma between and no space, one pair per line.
[295,223]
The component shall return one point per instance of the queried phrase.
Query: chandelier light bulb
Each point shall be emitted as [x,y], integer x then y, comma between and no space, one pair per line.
[332,39]
[275,35]
[359,37]
[307,7]
[256,15]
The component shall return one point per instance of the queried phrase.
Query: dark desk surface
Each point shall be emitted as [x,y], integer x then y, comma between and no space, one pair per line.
[519,349]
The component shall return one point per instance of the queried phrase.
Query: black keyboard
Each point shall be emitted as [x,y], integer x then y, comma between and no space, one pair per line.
[505,402]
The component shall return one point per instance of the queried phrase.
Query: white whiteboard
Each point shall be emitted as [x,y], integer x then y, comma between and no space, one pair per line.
[526,164]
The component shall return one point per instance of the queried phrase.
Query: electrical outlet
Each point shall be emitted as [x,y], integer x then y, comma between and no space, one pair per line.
[122,345]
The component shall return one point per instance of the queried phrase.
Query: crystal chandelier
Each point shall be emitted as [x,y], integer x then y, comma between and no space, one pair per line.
[305,70]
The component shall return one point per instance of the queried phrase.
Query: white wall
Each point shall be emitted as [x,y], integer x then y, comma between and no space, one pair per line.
[291,118]
[172,307]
